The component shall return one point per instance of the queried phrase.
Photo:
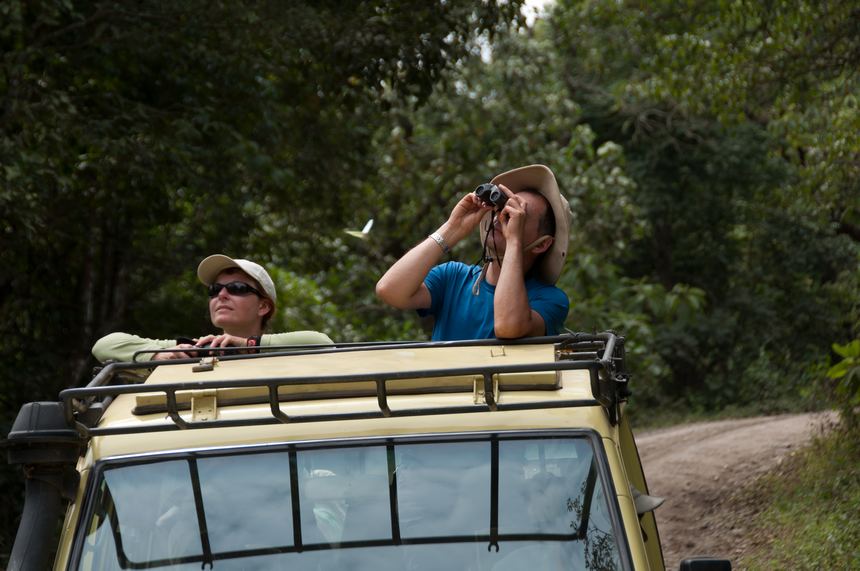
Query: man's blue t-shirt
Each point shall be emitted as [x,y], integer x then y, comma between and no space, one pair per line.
[461,315]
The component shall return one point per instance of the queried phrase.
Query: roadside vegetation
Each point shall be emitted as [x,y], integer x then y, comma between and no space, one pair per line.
[810,519]
[709,151]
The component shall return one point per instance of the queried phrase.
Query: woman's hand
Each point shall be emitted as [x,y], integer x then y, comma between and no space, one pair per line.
[189,351]
[181,351]
[223,340]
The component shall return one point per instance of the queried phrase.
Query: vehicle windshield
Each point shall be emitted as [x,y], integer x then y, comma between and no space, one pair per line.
[497,503]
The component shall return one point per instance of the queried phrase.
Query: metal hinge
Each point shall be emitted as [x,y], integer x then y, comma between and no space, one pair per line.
[478,395]
[204,405]
[205,364]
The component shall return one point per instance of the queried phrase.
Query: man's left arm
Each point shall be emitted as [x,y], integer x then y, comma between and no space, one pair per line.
[543,313]
[513,317]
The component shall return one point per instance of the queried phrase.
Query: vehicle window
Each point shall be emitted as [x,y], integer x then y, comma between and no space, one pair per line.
[492,504]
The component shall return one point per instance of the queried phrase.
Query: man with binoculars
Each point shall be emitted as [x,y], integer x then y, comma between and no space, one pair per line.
[525,223]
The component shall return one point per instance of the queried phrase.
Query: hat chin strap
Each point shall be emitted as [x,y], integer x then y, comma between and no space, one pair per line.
[490,258]
[537,242]
[481,276]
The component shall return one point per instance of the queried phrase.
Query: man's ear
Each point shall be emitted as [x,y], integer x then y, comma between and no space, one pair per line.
[543,246]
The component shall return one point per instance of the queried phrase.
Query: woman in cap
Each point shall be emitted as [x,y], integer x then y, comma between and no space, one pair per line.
[242,299]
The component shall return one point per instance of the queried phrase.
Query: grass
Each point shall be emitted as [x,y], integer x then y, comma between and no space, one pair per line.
[811,509]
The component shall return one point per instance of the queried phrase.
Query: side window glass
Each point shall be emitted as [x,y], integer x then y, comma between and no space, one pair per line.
[540,482]
[344,494]
[264,482]
[144,514]
[552,492]
[442,489]
[601,547]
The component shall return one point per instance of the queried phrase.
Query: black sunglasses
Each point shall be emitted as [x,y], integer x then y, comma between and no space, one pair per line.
[233,288]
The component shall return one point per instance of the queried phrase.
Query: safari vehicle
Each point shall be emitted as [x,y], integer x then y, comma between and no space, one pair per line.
[483,455]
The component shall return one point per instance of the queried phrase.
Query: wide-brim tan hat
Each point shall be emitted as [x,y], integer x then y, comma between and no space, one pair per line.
[210,267]
[540,179]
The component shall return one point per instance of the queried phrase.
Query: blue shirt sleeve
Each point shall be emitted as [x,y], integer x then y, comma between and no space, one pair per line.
[552,305]
[461,315]
[435,282]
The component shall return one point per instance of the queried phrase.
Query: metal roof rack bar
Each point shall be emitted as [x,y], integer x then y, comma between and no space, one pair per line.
[268,420]
[564,340]
[604,360]
[382,397]
[274,405]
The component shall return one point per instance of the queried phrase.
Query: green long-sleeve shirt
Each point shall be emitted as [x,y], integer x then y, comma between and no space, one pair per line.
[122,346]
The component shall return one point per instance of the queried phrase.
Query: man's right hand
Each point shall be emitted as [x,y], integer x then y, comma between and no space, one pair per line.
[465,217]
[402,286]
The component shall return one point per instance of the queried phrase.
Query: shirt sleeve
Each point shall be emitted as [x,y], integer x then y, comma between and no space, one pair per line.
[296,338]
[435,282]
[122,347]
[552,305]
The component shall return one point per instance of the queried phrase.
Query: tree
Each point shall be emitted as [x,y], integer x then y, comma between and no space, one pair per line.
[137,138]
[710,139]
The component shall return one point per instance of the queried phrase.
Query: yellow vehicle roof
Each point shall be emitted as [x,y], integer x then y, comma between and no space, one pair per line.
[347,392]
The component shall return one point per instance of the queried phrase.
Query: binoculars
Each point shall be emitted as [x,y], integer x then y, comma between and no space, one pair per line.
[491,194]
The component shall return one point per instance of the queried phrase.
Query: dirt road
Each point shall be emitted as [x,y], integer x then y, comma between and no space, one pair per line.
[698,467]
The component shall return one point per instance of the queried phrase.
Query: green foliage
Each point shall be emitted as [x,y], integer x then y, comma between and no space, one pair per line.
[810,515]
[846,373]
[137,138]
[729,201]
[643,312]
[790,67]
[708,150]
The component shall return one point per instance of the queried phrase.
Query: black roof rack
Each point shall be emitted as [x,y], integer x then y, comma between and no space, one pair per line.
[602,354]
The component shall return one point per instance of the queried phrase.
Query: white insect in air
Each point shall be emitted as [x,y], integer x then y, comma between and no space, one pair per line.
[363,233]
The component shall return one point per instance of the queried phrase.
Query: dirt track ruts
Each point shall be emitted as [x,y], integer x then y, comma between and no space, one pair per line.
[699,468]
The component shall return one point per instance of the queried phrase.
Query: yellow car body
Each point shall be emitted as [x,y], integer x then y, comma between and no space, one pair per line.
[545,403]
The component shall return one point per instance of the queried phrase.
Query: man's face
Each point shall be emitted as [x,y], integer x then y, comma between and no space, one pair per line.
[237,313]
[535,208]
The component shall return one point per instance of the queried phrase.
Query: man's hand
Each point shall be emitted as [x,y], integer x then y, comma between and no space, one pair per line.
[402,286]
[465,217]
[512,219]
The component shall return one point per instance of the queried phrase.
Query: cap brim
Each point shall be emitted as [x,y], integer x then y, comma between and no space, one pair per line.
[213,265]
[210,267]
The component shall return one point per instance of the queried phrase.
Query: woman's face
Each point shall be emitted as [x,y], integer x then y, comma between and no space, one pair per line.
[240,315]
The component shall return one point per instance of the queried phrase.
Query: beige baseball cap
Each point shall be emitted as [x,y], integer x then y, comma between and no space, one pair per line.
[539,178]
[213,265]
